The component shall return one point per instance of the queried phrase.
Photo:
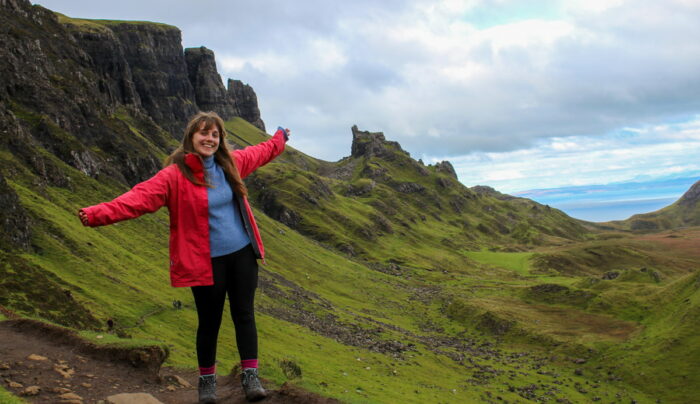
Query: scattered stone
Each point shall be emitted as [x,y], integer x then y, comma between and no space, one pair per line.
[178,380]
[4,366]
[132,398]
[15,385]
[60,390]
[31,391]
[579,361]
[86,385]
[64,371]
[34,357]
[171,388]
[578,372]
[70,396]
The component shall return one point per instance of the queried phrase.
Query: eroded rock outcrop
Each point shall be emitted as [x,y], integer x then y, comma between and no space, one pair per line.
[155,55]
[446,168]
[211,95]
[209,91]
[245,102]
[373,144]
[692,196]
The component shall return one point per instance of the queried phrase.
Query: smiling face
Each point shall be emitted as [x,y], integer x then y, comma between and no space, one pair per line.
[206,141]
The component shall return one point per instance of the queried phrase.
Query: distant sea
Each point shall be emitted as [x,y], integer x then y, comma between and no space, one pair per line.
[618,201]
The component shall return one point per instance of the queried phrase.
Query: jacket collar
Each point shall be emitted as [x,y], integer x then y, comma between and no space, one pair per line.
[194,162]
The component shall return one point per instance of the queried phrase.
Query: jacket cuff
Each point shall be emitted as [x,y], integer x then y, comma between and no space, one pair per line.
[284,132]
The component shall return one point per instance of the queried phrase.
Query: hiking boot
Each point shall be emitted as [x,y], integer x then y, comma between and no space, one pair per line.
[207,389]
[254,391]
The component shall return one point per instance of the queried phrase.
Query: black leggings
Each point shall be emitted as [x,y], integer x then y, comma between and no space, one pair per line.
[237,275]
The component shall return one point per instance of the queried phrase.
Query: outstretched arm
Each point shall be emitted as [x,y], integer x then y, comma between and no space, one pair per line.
[249,159]
[145,197]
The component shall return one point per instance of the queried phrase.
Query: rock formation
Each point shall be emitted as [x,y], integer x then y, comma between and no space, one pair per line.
[692,196]
[245,102]
[78,87]
[210,95]
[446,167]
[372,144]
[154,54]
[209,91]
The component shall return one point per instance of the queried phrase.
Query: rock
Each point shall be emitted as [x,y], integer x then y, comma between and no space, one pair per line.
[610,275]
[691,196]
[15,225]
[373,144]
[15,385]
[132,398]
[578,372]
[70,396]
[60,390]
[360,188]
[446,168]
[64,371]
[488,191]
[178,380]
[171,388]
[34,357]
[31,391]
[155,56]
[409,187]
[209,91]
[245,102]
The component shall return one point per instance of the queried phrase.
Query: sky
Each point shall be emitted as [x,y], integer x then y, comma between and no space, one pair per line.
[518,95]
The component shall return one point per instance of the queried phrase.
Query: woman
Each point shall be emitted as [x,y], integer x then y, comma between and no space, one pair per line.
[214,241]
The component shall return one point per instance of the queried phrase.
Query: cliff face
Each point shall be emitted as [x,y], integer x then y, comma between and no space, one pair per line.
[245,102]
[210,94]
[155,56]
[372,144]
[79,88]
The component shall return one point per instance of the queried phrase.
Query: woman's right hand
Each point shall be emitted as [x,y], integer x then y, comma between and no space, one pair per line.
[83,217]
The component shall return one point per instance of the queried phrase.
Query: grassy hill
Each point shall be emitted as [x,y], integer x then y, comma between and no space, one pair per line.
[427,311]
[685,212]
[387,280]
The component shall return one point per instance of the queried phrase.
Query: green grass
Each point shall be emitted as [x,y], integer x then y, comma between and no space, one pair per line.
[452,284]
[517,262]
[93,25]
[8,398]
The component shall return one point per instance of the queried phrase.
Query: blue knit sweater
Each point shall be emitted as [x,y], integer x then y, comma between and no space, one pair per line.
[226,231]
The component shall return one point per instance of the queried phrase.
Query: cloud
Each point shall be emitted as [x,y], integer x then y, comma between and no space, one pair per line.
[645,153]
[448,78]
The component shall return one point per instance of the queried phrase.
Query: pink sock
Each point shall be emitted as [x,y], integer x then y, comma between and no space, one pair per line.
[207,371]
[249,363]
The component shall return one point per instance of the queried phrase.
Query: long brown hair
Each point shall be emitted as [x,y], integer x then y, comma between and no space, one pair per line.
[205,120]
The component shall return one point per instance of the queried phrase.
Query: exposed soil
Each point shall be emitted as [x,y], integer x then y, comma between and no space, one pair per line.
[48,364]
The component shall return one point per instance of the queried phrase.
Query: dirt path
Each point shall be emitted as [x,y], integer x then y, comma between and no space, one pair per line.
[47,364]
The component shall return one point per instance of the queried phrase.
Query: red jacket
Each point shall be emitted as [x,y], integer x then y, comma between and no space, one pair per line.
[190,260]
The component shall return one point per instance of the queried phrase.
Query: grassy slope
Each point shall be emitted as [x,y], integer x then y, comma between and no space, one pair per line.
[682,213]
[118,272]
